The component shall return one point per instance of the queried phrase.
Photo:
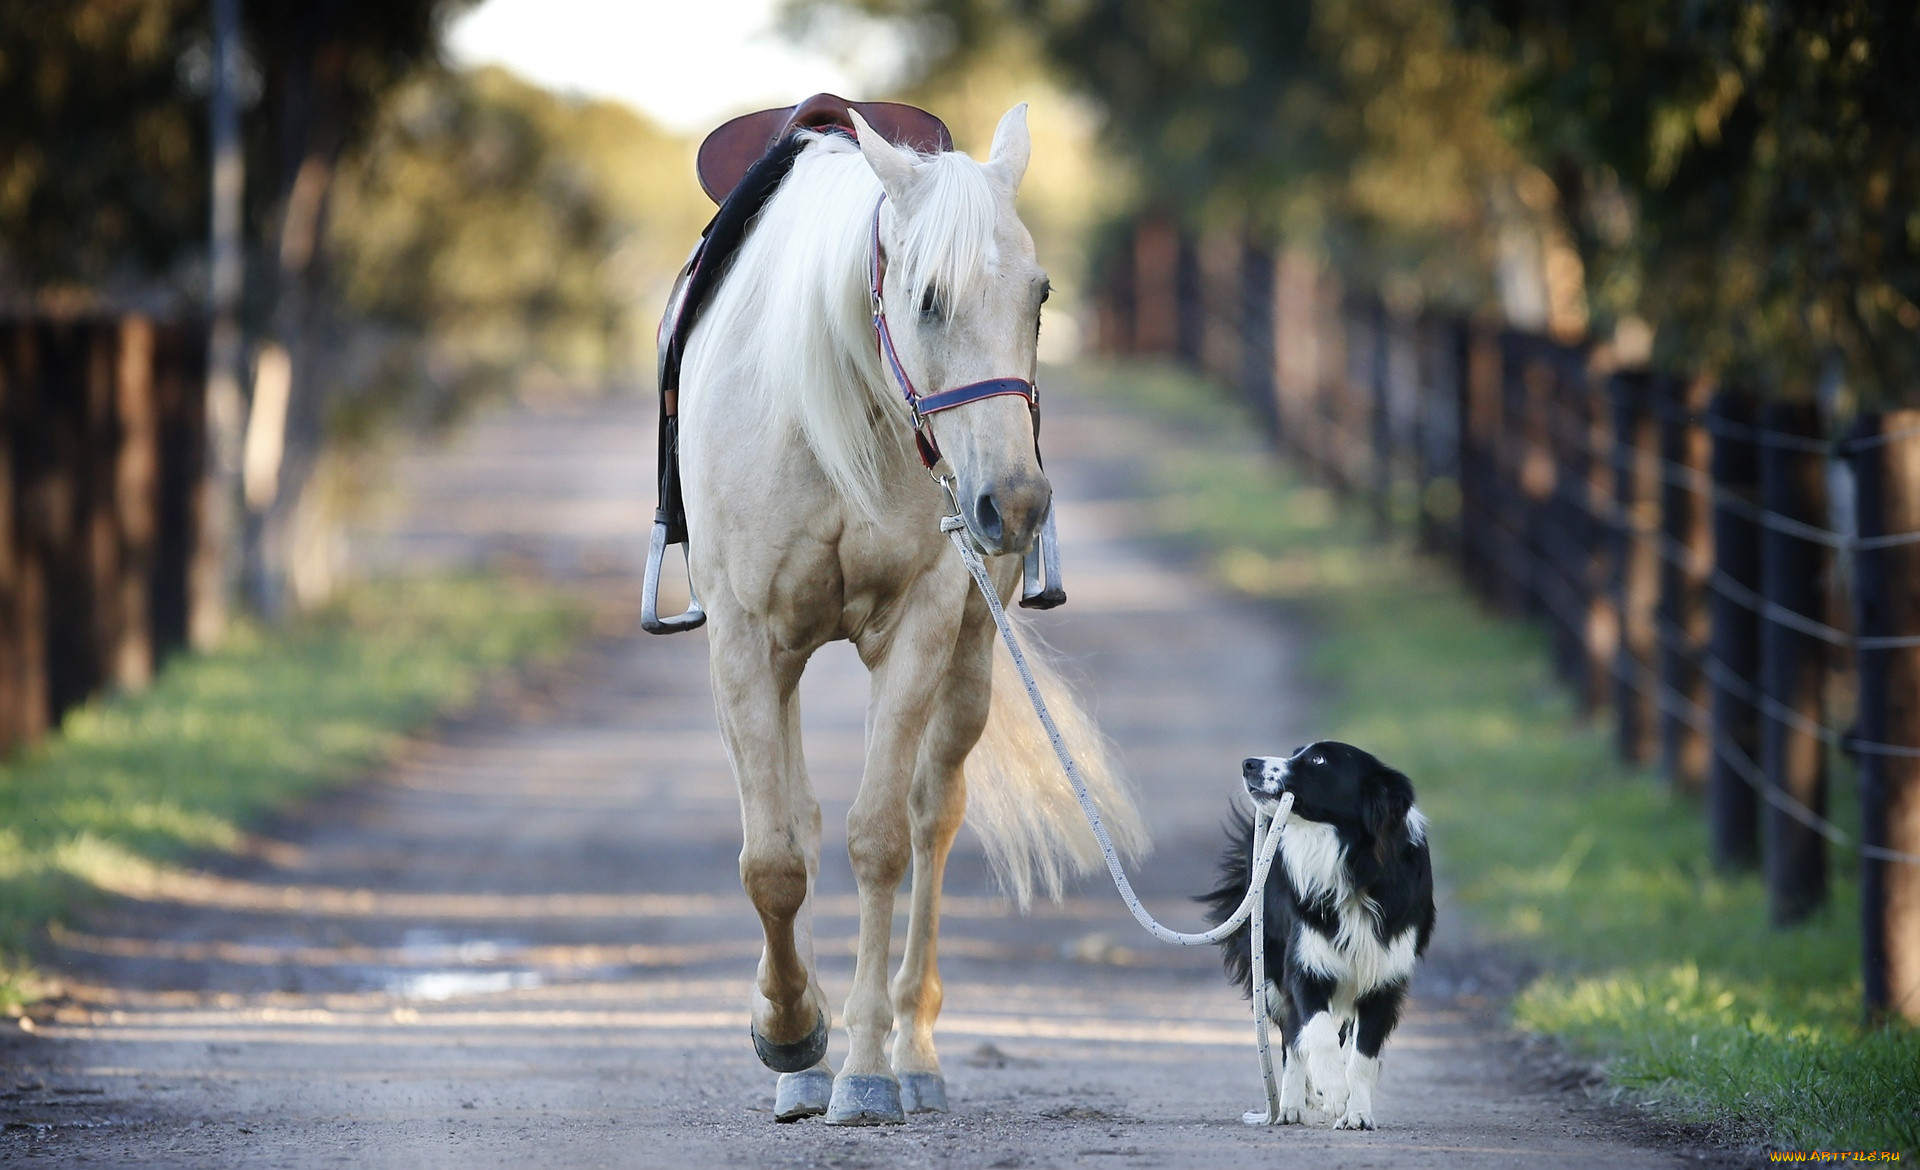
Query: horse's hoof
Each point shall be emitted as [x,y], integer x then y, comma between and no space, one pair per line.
[802,1094]
[865,1099]
[796,1057]
[923,1092]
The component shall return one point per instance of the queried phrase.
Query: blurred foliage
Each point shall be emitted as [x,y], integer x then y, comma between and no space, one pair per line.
[1361,127]
[103,152]
[479,229]
[488,231]
[135,782]
[1744,173]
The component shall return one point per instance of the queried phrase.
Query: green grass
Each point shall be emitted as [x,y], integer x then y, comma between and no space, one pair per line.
[1663,971]
[130,782]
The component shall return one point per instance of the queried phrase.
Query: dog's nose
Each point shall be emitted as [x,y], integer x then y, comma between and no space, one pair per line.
[1251,766]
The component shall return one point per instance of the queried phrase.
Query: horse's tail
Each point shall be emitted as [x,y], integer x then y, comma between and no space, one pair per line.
[1019,800]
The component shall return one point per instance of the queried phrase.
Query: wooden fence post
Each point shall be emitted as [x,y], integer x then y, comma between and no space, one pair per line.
[1686,531]
[1156,287]
[1792,661]
[135,498]
[1190,320]
[1376,381]
[180,388]
[1733,807]
[1636,562]
[1256,319]
[1330,390]
[1887,606]
[1296,351]
[1480,373]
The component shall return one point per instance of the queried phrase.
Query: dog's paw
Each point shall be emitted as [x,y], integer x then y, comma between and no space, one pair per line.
[1331,1101]
[1288,1116]
[1355,1119]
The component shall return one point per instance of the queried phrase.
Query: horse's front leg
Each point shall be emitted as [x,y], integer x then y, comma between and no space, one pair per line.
[907,665]
[936,808]
[754,682]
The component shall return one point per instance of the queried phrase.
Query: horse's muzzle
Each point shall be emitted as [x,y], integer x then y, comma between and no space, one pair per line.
[1006,515]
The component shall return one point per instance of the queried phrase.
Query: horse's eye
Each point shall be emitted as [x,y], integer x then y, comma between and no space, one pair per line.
[1046,291]
[930,303]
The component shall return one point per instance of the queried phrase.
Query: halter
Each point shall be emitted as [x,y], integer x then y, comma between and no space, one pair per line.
[922,405]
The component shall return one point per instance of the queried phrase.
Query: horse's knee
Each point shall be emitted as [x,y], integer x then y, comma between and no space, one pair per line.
[879,852]
[775,879]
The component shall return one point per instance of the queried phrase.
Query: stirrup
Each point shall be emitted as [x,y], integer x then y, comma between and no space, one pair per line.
[650,619]
[1041,587]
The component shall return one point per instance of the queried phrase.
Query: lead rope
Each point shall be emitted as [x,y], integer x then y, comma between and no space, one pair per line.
[1266,832]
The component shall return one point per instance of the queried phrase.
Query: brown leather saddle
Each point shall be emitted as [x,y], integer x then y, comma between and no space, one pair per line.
[729,152]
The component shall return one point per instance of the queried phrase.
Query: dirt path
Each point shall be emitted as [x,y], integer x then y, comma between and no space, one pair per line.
[525,945]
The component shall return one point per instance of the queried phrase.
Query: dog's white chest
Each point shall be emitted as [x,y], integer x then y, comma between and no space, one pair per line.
[1355,958]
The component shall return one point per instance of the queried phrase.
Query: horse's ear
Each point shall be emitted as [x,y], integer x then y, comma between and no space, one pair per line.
[1011,147]
[891,165]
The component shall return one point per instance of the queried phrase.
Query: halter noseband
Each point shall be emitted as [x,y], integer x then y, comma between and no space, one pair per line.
[922,405]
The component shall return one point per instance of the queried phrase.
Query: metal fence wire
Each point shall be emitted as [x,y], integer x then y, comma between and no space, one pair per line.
[1714,568]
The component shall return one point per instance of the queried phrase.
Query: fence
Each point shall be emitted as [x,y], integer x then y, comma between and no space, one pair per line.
[1737,586]
[100,441]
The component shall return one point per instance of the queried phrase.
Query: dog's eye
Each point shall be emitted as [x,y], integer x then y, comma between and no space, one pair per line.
[1318,760]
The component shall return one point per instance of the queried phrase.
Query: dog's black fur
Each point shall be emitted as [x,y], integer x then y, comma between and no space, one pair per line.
[1379,878]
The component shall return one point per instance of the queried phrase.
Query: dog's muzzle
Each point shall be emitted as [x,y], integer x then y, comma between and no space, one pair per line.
[1266,776]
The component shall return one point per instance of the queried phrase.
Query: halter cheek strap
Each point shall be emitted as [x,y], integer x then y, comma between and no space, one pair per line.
[922,405]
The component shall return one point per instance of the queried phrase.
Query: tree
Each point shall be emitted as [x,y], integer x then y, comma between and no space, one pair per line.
[1745,174]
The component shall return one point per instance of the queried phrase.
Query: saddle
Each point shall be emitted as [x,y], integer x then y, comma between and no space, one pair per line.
[729,152]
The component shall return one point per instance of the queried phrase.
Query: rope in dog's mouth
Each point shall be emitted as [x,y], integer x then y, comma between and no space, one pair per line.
[1266,831]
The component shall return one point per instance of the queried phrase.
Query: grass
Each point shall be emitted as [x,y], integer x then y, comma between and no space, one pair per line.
[134,781]
[1655,966]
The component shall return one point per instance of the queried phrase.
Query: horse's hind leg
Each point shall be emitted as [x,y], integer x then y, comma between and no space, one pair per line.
[938,803]
[907,667]
[760,722]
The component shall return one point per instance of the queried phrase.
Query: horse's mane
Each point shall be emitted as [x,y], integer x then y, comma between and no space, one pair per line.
[789,332]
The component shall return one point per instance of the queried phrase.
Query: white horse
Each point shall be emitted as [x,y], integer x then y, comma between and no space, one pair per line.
[812,519]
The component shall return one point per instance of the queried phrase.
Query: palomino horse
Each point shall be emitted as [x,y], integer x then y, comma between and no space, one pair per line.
[812,518]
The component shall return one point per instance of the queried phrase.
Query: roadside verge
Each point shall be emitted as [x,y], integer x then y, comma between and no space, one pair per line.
[133,782]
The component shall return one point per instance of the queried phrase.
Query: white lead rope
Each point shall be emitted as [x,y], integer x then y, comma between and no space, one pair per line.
[1266,830]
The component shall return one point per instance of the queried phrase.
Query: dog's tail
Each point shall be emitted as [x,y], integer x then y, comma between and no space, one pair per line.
[1019,800]
[1236,874]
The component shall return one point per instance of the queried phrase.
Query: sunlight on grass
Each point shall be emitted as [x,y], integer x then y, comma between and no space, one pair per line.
[220,739]
[1662,969]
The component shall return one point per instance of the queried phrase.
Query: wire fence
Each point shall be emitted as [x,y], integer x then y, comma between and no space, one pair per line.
[1735,582]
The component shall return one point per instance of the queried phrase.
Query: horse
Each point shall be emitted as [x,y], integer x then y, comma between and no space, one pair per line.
[812,518]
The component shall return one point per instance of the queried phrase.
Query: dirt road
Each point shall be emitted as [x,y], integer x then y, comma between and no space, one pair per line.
[524,944]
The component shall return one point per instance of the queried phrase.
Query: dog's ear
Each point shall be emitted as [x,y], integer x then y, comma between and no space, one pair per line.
[1384,808]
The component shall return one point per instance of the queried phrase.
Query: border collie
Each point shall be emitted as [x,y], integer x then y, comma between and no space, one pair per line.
[1349,909]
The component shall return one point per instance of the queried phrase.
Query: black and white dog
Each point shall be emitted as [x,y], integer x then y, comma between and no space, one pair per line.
[1349,909]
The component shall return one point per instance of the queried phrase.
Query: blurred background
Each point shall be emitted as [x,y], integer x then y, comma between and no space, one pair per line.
[1613,307]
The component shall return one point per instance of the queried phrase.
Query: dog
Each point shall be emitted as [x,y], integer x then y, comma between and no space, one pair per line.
[1349,910]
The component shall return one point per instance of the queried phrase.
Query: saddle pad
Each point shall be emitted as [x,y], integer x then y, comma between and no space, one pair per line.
[728,152]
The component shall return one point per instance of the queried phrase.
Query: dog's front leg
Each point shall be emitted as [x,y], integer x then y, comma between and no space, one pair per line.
[1320,1043]
[1376,1014]
[1293,1086]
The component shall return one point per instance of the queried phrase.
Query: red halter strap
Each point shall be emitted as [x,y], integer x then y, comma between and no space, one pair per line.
[924,405]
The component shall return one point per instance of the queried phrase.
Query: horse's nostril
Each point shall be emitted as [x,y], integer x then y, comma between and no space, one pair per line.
[986,515]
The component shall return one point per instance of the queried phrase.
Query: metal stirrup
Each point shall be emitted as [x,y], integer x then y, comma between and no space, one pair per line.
[650,620]
[1041,586]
